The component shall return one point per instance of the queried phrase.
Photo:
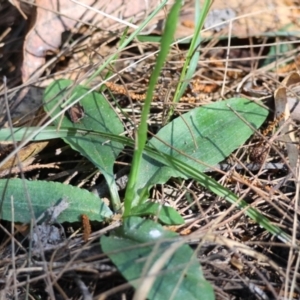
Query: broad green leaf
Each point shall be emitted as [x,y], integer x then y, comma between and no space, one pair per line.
[38,196]
[175,163]
[165,214]
[98,117]
[139,244]
[209,134]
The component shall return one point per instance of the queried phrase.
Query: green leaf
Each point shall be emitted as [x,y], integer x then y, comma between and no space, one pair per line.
[140,244]
[209,134]
[166,214]
[148,38]
[41,195]
[182,168]
[98,117]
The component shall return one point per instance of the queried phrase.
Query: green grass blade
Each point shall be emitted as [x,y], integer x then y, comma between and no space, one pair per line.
[141,137]
[221,191]
[193,54]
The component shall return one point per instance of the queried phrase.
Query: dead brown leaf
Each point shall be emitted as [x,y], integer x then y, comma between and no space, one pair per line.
[55,17]
[284,105]
[24,154]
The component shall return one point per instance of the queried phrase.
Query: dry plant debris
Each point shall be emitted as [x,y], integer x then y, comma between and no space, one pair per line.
[239,258]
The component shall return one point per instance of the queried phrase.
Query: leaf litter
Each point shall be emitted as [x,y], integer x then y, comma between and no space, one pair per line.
[227,260]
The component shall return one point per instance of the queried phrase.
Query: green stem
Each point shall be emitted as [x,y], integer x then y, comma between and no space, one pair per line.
[141,137]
